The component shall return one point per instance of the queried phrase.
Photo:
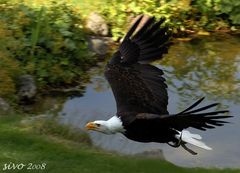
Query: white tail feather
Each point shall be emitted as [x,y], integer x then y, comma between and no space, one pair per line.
[193,139]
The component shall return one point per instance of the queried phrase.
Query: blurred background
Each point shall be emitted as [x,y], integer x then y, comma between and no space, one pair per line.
[52,57]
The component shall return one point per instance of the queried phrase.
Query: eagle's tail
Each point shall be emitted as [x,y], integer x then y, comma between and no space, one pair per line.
[195,118]
[185,137]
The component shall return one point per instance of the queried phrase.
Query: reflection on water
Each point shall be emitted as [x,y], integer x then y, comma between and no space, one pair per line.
[209,65]
[203,67]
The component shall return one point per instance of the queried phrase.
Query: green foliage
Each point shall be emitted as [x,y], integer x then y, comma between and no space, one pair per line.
[9,69]
[215,11]
[46,41]
[181,15]
[230,8]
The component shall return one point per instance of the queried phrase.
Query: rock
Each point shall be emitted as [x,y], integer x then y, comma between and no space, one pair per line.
[27,88]
[4,106]
[97,24]
[155,153]
[99,45]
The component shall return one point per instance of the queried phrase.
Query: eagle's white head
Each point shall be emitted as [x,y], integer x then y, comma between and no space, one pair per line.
[111,126]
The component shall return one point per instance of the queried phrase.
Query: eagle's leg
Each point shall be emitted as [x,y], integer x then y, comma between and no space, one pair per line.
[174,144]
[188,149]
[180,142]
[177,143]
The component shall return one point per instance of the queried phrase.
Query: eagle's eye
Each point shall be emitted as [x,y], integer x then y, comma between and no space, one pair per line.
[98,125]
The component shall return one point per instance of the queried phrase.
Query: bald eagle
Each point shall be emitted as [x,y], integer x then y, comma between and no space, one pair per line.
[141,94]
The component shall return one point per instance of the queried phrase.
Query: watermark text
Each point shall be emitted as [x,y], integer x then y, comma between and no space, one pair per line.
[23,166]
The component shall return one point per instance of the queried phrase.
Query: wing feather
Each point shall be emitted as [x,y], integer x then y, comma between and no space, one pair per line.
[140,87]
[150,42]
[188,118]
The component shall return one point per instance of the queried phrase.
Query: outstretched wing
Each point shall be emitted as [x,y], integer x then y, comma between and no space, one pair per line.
[149,43]
[190,118]
[140,87]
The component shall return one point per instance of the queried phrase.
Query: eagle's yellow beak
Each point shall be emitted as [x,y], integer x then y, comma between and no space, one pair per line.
[91,126]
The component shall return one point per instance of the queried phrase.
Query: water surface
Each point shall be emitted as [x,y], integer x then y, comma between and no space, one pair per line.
[207,66]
